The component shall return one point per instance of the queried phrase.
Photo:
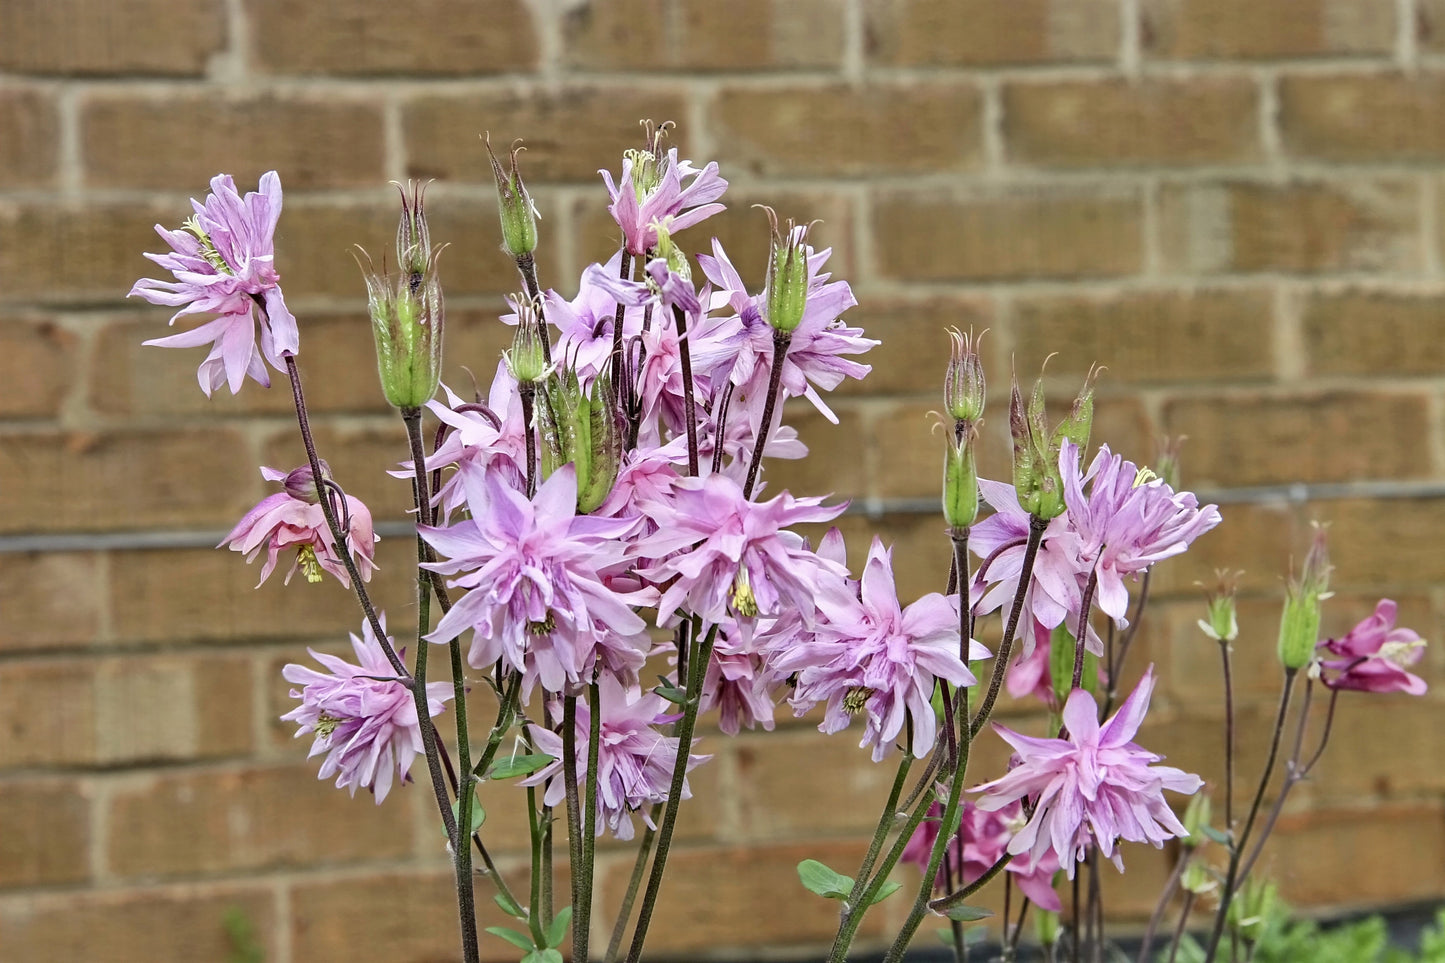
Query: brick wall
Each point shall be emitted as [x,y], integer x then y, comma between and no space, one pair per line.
[1236,205]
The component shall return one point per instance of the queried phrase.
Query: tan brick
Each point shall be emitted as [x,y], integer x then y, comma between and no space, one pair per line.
[570,134]
[124,37]
[914,353]
[63,252]
[1359,764]
[223,821]
[172,707]
[47,833]
[1061,233]
[47,714]
[1329,437]
[64,598]
[981,33]
[696,35]
[123,480]
[1256,538]
[843,132]
[1147,336]
[1178,29]
[1195,675]
[1430,25]
[37,361]
[1118,123]
[1378,117]
[1302,226]
[310,142]
[1388,542]
[360,456]
[29,136]
[1373,333]
[1393,853]
[429,37]
[172,923]
[835,463]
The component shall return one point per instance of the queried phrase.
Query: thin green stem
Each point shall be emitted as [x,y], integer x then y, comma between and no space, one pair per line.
[634,883]
[574,805]
[885,823]
[534,921]
[582,909]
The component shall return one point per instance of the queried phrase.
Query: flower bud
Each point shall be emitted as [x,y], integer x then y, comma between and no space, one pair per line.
[526,359]
[1196,818]
[1223,622]
[1198,879]
[300,483]
[1253,908]
[1046,924]
[514,206]
[581,428]
[960,481]
[1080,419]
[1037,479]
[1299,625]
[669,252]
[786,290]
[963,383]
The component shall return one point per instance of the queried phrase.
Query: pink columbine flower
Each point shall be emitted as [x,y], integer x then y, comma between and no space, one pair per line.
[1094,786]
[1374,656]
[656,186]
[363,718]
[733,556]
[634,759]
[981,840]
[223,261]
[535,572]
[293,520]
[871,656]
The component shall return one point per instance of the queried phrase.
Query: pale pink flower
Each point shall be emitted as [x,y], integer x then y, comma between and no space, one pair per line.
[361,715]
[224,264]
[1096,786]
[292,520]
[982,839]
[654,187]
[1374,656]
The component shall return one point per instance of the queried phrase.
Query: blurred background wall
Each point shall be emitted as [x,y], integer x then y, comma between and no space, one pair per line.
[1236,205]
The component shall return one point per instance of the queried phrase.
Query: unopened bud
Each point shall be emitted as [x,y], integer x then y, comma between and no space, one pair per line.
[1299,625]
[581,428]
[786,290]
[300,483]
[1196,818]
[963,383]
[960,481]
[1198,879]
[514,206]
[1078,423]
[1223,622]
[1037,479]
[1046,924]
[413,238]
[1253,908]
[525,359]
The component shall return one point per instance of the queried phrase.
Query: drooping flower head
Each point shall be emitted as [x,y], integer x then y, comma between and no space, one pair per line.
[1094,787]
[292,520]
[1374,656]
[870,656]
[634,758]
[223,261]
[656,186]
[534,573]
[981,840]
[362,717]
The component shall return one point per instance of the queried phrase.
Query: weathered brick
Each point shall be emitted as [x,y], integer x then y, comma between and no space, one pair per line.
[1373,333]
[943,33]
[47,714]
[71,252]
[1301,226]
[570,134]
[1263,440]
[172,923]
[172,707]
[29,136]
[1393,853]
[64,599]
[1042,233]
[309,141]
[47,833]
[360,456]
[123,37]
[1430,24]
[221,821]
[1121,123]
[914,350]
[846,132]
[835,464]
[429,37]
[122,480]
[1358,764]
[37,361]
[1384,543]
[1147,336]
[1363,117]
[1258,538]
[696,35]
[1178,29]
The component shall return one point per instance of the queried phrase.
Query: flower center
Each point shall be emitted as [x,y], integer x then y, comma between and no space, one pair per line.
[744,602]
[326,725]
[1402,654]
[543,627]
[856,699]
[208,247]
[310,564]
[1143,477]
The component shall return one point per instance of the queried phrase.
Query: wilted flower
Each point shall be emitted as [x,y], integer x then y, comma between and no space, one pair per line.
[224,264]
[292,519]
[1095,786]
[1374,656]
[362,716]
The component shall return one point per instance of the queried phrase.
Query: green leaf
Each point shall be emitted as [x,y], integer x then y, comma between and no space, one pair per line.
[519,940]
[557,932]
[523,765]
[1218,835]
[967,914]
[886,890]
[672,694]
[509,906]
[550,955]
[819,879]
[478,814]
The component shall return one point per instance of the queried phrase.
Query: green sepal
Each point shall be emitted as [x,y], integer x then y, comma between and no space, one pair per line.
[523,765]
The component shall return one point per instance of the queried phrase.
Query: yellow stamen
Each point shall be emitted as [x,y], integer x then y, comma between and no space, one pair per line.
[310,565]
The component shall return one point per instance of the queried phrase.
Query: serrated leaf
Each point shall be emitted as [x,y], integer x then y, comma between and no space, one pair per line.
[887,890]
[523,765]
[519,940]
[557,932]
[964,913]
[509,906]
[817,878]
